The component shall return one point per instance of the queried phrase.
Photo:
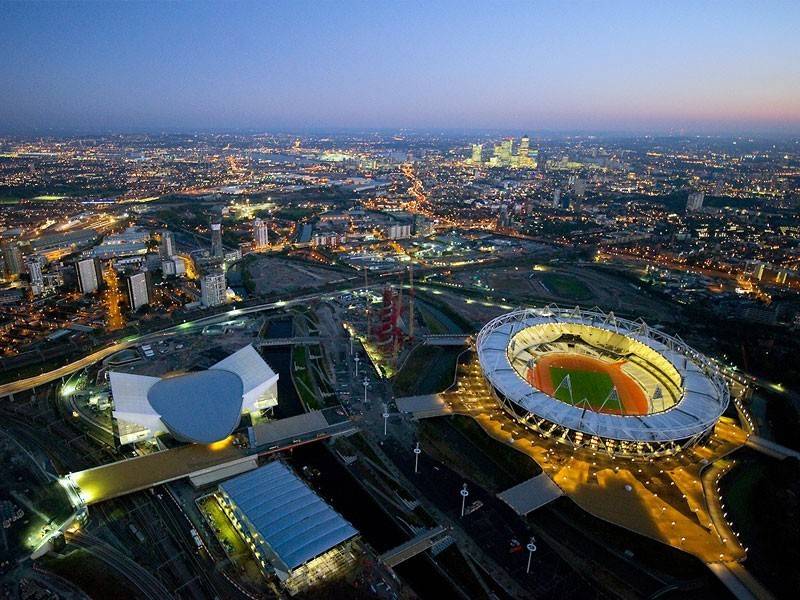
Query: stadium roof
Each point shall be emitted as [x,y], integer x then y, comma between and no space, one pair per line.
[703,399]
[295,523]
[200,407]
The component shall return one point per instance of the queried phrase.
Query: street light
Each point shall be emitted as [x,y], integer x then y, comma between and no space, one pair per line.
[464,493]
[366,383]
[356,359]
[385,419]
[531,549]
[417,452]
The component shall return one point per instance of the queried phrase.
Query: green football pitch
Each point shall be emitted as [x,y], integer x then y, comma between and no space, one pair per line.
[592,386]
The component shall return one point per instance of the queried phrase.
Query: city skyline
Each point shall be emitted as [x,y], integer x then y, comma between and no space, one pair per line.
[709,69]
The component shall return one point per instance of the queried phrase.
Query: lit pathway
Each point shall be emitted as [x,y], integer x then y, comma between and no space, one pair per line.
[662,499]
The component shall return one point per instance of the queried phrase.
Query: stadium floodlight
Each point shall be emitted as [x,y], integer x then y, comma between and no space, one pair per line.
[531,547]
[464,493]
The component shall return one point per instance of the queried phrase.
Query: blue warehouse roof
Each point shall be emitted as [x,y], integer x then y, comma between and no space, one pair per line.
[293,521]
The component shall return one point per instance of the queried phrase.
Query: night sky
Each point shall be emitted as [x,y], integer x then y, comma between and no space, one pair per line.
[699,67]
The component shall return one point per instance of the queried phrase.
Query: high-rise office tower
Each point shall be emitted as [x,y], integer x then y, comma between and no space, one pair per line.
[12,258]
[260,233]
[695,201]
[523,153]
[35,264]
[216,239]
[477,154]
[541,161]
[556,198]
[213,288]
[90,277]
[166,248]
[140,290]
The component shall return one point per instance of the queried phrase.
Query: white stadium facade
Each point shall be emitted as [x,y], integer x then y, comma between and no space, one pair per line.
[200,407]
[685,392]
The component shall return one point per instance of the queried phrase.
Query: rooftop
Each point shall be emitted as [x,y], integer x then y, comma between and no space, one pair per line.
[295,523]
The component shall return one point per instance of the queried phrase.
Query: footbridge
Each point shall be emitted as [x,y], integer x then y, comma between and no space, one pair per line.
[292,341]
[446,340]
[414,546]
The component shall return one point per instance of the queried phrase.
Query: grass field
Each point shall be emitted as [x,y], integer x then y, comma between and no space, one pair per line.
[591,385]
[565,286]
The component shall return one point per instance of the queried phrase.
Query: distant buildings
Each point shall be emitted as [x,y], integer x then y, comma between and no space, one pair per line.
[90,276]
[213,288]
[504,155]
[216,239]
[260,234]
[694,201]
[140,290]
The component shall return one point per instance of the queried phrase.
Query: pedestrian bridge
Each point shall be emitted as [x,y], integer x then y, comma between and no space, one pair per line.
[446,340]
[292,341]
[414,546]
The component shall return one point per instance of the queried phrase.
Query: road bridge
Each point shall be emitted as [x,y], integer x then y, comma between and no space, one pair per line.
[414,546]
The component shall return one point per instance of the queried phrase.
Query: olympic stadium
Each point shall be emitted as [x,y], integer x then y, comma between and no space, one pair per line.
[590,379]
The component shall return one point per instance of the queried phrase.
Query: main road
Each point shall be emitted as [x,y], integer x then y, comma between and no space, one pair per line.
[25,384]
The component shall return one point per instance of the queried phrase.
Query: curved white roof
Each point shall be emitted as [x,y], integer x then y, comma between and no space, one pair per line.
[703,399]
[201,407]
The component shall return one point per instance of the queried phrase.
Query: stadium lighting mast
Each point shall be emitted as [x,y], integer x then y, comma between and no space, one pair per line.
[417,452]
[464,493]
[531,549]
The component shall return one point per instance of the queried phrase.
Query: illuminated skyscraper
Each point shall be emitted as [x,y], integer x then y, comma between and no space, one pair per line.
[477,154]
[523,153]
[260,233]
[35,264]
[216,239]
[212,288]
[140,290]
[12,258]
[90,277]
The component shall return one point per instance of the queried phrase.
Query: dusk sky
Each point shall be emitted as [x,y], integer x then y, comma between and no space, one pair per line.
[706,67]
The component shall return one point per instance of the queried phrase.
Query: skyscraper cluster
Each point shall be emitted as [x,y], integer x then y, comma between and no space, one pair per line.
[505,154]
